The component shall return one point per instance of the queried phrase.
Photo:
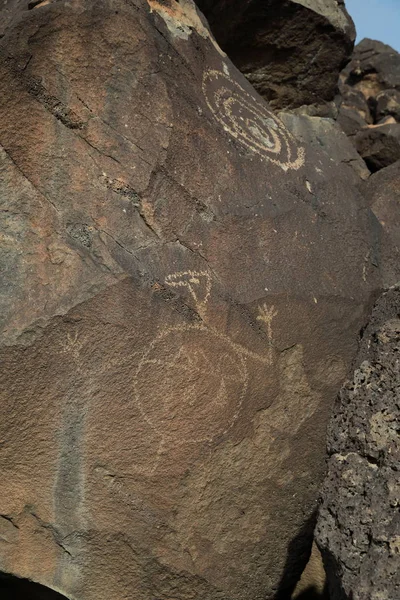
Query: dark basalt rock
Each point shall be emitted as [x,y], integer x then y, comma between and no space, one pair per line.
[382,192]
[379,145]
[327,137]
[370,95]
[374,67]
[387,104]
[359,520]
[354,112]
[292,51]
[10,12]
[183,285]
[350,120]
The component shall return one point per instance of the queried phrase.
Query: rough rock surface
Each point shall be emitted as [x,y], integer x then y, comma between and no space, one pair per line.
[359,521]
[292,51]
[382,192]
[387,104]
[354,113]
[379,145]
[327,138]
[369,111]
[183,283]
[374,67]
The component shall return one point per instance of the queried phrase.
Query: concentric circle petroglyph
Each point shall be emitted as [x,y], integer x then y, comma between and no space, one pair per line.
[248,120]
[190,384]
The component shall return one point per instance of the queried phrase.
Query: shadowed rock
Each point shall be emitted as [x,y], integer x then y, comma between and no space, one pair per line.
[374,67]
[292,51]
[370,107]
[382,192]
[387,104]
[379,145]
[13,588]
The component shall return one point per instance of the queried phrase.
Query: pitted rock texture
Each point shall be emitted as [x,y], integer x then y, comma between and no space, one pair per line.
[292,51]
[359,520]
[183,285]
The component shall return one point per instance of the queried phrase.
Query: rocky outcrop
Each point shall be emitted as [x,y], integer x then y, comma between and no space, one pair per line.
[382,192]
[379,146]
[370,108]
[374,67]
[292,51]
[359,524]
[183,286]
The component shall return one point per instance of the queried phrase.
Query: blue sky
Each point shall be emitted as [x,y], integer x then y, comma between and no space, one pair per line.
[377,19]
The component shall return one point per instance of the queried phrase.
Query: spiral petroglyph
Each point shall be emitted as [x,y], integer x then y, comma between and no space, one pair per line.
[248,120]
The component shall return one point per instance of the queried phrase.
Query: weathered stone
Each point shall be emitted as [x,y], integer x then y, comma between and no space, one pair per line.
[382,191]
[326,110]
[374,67]
[355,99]
[292,51]
[328,138]
[350,121]
[10,12]
[183,283]
[379,145]
[359,521]
[387,104]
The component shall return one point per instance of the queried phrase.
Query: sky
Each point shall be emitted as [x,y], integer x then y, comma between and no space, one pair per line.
[376,19]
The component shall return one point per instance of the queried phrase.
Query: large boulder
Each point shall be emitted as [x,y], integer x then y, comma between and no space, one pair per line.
[382,192]
[379,145]
[374,67]
[386,105]
[370,103]
[292,51]
[359,520]
[354,112]
[183,284]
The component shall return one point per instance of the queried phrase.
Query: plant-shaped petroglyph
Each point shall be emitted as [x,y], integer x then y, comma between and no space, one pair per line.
[267,315]
[248,120]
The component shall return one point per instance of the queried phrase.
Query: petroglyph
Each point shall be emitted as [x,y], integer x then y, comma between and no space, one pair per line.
[197,282]
[73,345]
[266,315]
[248,120]
[191,381]
[183,389]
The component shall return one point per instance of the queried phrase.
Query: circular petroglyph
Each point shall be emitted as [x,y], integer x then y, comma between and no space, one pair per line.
[190,384]
[248,120]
